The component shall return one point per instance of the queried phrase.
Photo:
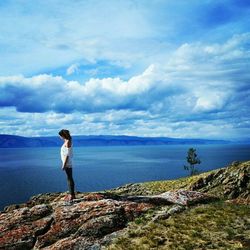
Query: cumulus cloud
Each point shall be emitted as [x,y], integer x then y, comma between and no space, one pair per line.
[45,92]
[205,86]
[210,101]
[196,77]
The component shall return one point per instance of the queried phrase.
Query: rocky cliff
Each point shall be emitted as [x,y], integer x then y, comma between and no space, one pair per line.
[122,217]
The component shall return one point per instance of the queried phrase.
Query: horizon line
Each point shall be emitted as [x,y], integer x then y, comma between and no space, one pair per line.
[184,138]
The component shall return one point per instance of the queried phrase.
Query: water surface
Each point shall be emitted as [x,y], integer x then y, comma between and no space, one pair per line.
[28,171]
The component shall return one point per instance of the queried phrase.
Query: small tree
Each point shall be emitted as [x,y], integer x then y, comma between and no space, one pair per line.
[192,159]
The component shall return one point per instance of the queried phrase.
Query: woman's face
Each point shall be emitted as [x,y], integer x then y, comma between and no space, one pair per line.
[61,137]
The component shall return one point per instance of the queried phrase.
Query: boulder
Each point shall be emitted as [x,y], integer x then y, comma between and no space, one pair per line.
[58,225]
[181,197]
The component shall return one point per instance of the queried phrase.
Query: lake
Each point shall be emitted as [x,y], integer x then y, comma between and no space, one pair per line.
[28,171]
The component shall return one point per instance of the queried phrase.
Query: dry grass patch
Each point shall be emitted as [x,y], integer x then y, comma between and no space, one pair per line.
[208,226]
[169,185]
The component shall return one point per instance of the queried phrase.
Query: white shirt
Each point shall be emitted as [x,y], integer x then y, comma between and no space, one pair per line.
[67,152]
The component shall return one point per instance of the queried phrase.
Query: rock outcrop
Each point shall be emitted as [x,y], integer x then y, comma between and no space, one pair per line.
[230,182]
[56,224]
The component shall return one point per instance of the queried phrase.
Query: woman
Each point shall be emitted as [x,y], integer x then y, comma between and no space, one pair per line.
[66,156]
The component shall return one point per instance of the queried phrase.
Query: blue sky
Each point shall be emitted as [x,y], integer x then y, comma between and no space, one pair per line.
[146,68]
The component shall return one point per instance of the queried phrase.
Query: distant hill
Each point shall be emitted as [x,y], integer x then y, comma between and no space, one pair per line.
[13,141]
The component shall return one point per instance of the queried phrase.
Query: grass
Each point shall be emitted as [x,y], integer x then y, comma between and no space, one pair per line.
[216,225]
[157,187]
[169,185]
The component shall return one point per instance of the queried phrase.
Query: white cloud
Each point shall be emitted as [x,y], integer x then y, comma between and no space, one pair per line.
[41,36]
[112,122]
[208,100]
[195,91]
[72,69]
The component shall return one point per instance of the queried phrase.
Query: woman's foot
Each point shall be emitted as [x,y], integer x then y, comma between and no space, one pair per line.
[67,197]
[72,197]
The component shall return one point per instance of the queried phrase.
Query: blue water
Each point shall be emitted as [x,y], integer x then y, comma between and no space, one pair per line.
[28,171]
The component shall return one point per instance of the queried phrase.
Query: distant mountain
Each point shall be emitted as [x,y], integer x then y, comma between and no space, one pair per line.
[13,141]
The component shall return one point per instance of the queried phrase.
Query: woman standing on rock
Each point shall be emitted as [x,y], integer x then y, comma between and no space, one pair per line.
[66,156]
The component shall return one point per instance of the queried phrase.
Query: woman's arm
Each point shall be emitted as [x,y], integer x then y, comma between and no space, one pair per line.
[68,145]
[65,162]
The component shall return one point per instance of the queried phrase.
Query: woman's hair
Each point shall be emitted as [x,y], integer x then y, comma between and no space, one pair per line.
[65,134]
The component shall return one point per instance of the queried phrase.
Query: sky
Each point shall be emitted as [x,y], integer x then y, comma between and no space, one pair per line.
[125,67]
